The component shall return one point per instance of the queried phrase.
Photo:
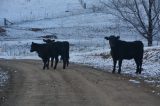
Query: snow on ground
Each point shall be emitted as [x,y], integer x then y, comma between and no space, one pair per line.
[22,10]
[3,77]
[72,21]
[96,55]
[88,45]
[134,81]
[85,32]
[102,59]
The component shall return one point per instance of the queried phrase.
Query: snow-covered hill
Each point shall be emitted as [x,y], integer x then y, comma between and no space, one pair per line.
[19,10]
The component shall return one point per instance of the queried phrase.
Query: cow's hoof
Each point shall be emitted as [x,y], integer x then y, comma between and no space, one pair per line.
[136,72]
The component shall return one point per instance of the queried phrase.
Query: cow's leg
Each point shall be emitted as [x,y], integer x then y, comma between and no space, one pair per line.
[67,59]
[140,66]
[61,58]
[44,62]
[64,63]
[56,62]
[114,65]
[119,64]
[137,64]
[47,63]
[67,62]
[52,59]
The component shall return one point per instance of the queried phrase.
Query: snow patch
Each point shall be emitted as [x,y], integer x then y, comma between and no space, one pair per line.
[134,81]
[3,77]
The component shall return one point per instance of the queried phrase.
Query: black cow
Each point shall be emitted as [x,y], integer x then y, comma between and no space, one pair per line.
[126,50]
[59,48]
[43,51]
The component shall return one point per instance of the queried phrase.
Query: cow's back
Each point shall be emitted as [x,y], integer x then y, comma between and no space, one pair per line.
[129,50]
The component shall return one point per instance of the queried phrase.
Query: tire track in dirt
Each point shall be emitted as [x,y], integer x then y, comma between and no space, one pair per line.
[76,86]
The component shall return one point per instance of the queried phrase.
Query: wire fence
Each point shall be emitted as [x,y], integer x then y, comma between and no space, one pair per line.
[5,22]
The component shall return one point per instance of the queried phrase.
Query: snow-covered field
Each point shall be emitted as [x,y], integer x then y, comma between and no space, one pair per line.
[85,32]
[23,10]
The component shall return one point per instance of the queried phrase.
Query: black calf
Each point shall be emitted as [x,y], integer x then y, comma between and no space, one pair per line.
[43,52]
[59,48]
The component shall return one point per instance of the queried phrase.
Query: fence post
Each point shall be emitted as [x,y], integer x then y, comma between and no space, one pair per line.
[5,22]
[84,6]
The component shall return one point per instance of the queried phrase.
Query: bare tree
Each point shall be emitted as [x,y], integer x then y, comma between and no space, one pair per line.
[83,4]
[143,15]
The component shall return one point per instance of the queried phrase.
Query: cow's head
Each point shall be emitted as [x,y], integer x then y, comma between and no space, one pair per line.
[32,47]
[112,40]
[48,40]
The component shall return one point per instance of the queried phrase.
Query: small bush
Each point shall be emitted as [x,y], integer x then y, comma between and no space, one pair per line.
[53,36]
[35,29]
[2,30]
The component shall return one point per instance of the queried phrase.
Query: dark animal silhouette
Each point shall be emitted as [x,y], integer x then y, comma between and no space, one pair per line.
[48,41]
[43,51]
[59,48]
[126,50]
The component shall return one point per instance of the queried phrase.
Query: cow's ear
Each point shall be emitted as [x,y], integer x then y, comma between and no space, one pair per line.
[118,37]
[107,38]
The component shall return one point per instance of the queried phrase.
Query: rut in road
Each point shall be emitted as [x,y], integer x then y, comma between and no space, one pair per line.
[76,86]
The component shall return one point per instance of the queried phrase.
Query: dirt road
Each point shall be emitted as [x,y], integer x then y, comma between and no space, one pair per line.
[75,86]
